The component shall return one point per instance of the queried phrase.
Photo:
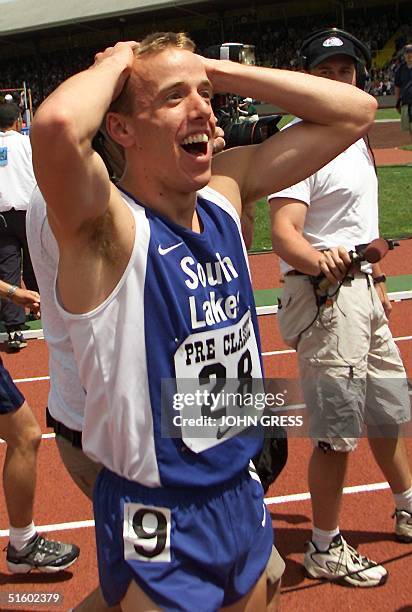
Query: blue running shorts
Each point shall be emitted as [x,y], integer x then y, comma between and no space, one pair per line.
[187,549]
[10,397]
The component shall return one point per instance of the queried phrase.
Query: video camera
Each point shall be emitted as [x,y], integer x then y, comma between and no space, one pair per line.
[239,130]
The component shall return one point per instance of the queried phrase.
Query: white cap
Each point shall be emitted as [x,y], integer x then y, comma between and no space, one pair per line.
[248,100]
[8,98]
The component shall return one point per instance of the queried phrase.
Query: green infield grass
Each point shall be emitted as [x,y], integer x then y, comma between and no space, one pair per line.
[387,113]
[382,113]
[395,207]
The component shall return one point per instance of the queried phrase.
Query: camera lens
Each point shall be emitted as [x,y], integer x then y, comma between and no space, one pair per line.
[247,55]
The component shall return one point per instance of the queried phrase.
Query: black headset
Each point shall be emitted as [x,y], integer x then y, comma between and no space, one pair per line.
[363,63]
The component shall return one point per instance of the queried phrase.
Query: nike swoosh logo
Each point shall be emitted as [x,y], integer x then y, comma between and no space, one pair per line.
[163,251]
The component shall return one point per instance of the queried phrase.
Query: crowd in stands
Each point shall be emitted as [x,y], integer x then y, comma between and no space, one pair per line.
[276,46]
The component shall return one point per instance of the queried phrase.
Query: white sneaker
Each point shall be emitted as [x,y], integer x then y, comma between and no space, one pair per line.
[342,563]
[403,525]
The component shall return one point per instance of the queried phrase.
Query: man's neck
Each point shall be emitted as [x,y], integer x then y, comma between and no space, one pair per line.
[176,206]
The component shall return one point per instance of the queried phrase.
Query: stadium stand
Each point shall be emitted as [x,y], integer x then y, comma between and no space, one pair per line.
[47,57]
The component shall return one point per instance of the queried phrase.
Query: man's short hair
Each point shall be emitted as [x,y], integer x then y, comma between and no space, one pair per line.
[154,43]
[151,44]
[9,113]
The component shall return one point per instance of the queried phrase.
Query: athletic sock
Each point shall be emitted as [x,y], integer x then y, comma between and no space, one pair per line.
[322,539]
[403,501]
[20,536]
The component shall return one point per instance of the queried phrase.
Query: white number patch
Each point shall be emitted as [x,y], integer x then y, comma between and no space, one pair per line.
[146,533]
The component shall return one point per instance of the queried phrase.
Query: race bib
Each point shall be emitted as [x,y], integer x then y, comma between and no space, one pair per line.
[218,375]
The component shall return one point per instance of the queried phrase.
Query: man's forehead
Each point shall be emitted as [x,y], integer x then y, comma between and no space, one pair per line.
[339,59]
[162,71]
[168,61]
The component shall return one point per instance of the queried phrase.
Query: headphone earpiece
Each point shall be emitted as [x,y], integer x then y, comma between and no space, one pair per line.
[363,63]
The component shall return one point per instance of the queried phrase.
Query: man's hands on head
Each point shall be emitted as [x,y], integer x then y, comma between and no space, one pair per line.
[122,52]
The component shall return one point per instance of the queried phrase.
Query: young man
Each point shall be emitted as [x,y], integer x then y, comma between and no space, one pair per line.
[152,283]
[66,400]
[27,549]
[16,185]
[350,367]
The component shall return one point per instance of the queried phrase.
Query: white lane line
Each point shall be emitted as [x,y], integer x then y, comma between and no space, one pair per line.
[47,436]
[58,527]
[283,499]
[265,354]
[269,501]
[35,379]
[287,351]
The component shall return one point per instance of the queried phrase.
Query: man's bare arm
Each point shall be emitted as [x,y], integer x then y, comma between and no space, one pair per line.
[71,176]
[334,116]
[287,222]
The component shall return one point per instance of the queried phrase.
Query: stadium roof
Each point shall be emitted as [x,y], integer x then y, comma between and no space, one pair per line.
[27,15]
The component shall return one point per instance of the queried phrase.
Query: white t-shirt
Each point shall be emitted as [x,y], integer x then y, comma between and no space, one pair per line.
[16,171]
[66,396]
[342,201]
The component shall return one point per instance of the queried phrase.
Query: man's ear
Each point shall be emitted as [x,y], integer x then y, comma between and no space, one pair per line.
[120,129]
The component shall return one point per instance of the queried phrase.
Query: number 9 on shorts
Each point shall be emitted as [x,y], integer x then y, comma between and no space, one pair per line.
[146,533]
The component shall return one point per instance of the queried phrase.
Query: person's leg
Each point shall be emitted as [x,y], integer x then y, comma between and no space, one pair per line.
[136,600]
[252,601]
[27,549]
[274,571]
[391,456]
[326,475]
[273,596]
[83,471]
[388,407]
[22,435]
[13,315]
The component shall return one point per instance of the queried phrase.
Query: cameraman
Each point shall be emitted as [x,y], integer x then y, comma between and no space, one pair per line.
[350,367]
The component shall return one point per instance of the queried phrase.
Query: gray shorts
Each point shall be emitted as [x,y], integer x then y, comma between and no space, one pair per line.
[81,468]
[351,370]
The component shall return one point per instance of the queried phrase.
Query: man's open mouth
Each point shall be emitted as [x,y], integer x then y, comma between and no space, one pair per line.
[196,144]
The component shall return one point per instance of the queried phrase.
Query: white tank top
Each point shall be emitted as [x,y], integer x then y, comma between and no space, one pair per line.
[66,396]
[178,289]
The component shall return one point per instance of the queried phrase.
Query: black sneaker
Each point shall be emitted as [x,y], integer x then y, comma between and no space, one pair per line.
[41,554]
[15,341]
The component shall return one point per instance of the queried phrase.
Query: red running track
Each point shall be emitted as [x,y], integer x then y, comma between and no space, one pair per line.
[365,519]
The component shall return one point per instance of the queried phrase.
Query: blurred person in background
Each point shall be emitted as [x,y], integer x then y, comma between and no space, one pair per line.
[26,549]
[16,185]
[403,90]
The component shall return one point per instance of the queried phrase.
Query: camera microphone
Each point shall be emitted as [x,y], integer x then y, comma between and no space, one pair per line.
[376,250]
